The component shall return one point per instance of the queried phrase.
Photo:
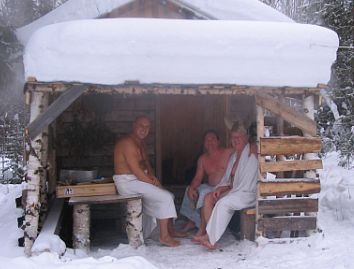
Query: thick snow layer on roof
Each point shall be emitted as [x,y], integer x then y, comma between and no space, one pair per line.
[218,9]
[70,10]
[252,10]
[112,51]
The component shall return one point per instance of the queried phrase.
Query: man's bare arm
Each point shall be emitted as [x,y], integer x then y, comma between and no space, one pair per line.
[197,180]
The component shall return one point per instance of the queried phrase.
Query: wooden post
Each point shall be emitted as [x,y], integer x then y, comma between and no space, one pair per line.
[35,173]
[158,138]
[134,222]
[248,222]
[81,227]
[309,109]
[260,133]
[43,191]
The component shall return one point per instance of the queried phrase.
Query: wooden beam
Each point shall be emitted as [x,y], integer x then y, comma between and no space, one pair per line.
[54,110]
[286,187]
[290,166]
[289,145]
[184,89]
[287,205]
[294,117]
[287,224]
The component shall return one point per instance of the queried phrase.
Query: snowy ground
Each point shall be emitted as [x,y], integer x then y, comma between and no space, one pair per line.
[327,250]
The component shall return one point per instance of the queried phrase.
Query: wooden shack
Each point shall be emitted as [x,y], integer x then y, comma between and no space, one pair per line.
[74,122]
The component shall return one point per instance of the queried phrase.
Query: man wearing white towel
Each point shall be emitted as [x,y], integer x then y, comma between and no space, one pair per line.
[133,175]
[236,191]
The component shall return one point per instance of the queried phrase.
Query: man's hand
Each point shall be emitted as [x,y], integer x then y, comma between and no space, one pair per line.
[219,191]
[192,194]
[155,181]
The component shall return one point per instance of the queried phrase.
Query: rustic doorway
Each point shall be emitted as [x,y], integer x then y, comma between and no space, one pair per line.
[183,121]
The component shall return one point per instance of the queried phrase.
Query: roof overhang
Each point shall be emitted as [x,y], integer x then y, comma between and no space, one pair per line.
[113,51]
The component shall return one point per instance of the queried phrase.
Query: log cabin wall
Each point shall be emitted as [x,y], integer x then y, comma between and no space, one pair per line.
[151,9]
[87,130]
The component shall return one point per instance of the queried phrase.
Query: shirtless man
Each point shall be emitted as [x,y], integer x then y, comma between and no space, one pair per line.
[211,164]
[133,174]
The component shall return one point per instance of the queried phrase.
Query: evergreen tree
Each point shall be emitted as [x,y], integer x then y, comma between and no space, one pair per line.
[337,132]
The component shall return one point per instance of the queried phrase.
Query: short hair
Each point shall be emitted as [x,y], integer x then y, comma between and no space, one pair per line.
[211,131]
[239,127]
[140,118]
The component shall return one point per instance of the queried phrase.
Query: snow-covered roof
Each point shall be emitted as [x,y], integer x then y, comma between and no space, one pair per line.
[218,9]
[112,51]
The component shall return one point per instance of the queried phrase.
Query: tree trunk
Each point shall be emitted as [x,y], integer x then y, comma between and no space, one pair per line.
[34,174]
[81,227]
[134,222]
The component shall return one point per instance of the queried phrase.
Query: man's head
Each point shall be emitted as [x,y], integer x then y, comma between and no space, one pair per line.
[141,127]
[239,137]
[211,140]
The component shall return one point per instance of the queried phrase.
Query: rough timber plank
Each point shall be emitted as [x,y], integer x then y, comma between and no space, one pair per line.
[294,117]
[283,206]
[287,224]
[285,187]
[290,165]
[289,145]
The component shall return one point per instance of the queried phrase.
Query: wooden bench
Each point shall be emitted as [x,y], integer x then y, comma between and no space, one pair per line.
[81,218]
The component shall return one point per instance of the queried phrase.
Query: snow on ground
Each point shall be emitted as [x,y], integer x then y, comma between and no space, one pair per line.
[113,51]
[329,249]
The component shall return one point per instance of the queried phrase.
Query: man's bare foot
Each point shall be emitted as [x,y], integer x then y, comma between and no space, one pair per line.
[197,238]
[189,226]
[169,242]
[206,243]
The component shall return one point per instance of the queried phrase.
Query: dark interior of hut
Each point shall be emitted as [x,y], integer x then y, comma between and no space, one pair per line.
[86,132]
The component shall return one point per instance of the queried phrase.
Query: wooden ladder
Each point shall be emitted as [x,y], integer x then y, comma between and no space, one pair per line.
[285,204]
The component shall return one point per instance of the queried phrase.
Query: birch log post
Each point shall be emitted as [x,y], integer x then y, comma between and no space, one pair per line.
[134,226]
[81,227]
[309,109]
[35,171]
[44,163]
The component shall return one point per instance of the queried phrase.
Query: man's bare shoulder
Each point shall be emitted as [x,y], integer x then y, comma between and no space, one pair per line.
[125,141]
[228,151]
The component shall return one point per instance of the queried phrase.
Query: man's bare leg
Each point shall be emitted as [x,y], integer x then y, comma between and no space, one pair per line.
[209,203]
[202,229]
[165,237]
